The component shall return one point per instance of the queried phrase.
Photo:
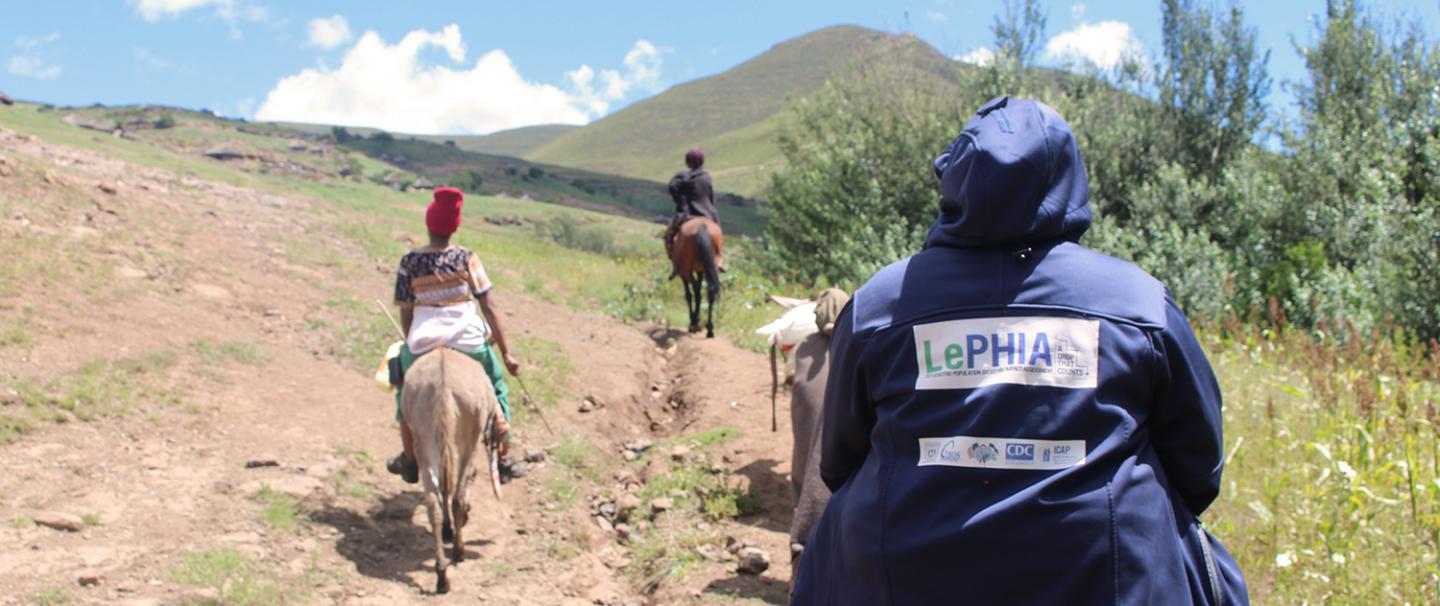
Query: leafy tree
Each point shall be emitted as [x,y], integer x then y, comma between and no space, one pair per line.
[1017,38]
[1213,84]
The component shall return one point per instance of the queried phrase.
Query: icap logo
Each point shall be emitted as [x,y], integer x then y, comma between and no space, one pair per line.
[984,452]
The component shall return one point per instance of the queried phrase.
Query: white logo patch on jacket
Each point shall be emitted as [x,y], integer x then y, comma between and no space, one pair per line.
[1001,453]
[963,354]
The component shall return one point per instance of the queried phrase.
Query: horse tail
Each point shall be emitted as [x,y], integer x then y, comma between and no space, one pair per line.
[705,246]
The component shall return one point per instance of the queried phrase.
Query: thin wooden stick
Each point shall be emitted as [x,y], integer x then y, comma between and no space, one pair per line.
[386,311]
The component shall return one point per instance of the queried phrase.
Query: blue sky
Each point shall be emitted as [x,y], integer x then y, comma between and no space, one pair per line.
[479,66]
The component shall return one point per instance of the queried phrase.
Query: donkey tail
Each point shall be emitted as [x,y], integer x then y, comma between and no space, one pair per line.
[705,246]
[449,452]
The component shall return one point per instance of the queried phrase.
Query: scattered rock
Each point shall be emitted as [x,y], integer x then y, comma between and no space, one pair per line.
[680,453]
[59,521]
[587,406]
[8,396]
[89,580]
[662,504]
[710,552]
[625,505]
[629,455]
[109,187]
[261,463]
[6,99]
[606,509]
[604,524]
[753,560]
[622,530]
[534,455]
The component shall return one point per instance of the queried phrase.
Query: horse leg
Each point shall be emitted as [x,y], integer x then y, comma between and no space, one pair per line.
[692,304]
[432,508]
[712,289]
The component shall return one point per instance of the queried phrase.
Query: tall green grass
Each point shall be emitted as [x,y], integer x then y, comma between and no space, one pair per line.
[1331,493]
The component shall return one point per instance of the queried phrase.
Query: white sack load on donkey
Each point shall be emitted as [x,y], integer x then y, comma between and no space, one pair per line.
[787,331]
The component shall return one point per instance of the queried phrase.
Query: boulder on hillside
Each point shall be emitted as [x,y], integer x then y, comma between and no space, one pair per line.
[423,183]
[87,123]
[226,151]
[6,99]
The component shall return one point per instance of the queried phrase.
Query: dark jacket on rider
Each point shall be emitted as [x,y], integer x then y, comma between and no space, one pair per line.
[1012,418]
[693,195]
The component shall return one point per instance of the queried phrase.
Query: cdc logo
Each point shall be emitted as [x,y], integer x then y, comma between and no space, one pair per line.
[1015,451]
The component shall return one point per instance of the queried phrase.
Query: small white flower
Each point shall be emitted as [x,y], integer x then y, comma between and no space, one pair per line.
[1284,559]
[1346,470]
[1337,558]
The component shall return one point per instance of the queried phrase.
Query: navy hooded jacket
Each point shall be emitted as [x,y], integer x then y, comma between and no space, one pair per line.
[1012,418]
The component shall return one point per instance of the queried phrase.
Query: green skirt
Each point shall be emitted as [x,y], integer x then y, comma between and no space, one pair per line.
[485,356]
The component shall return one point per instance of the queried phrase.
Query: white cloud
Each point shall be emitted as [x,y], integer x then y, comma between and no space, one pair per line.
[642,70]
[1077,12]
[388,86]
[149,60]
[981,56]
[1106,45]
[936,16]
[329,33]
[36,58]
[229,11]
[155,10]
[37,41]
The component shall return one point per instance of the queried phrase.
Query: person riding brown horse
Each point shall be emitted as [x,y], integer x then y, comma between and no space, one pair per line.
[696,255]
[694,196]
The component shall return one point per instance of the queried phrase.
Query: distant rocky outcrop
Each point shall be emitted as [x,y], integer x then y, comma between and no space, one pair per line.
[87,123]
[225,151]
[6,99]
[423,184]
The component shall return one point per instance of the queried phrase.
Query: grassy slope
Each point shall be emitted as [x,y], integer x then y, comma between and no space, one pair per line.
[513,142]
[635,198]
[733,115]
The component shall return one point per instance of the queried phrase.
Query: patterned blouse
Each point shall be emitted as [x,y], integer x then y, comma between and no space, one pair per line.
[440,278]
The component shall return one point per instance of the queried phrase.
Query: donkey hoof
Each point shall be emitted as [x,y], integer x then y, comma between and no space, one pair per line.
[447,535]
[709,334]
[694,329]
[442,586]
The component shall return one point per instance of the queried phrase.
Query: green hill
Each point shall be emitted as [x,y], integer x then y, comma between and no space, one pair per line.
[734,115]
[513,142]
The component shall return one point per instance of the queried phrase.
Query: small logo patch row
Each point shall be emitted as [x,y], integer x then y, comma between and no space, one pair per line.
[964,354]
[1001,453]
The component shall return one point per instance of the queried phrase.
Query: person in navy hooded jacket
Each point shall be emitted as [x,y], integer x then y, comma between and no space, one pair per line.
[1012,418]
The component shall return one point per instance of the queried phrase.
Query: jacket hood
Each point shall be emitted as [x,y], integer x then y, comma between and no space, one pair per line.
[1013,176]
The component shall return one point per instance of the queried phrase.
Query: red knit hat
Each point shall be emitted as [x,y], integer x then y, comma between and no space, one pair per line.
[443,216]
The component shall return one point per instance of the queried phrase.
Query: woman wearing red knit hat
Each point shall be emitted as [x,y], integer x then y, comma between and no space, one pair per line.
[434,287]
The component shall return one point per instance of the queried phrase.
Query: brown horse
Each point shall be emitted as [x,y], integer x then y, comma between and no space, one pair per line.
[450,406]
[696,255]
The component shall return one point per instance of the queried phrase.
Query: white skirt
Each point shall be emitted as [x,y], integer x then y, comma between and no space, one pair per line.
[456,326]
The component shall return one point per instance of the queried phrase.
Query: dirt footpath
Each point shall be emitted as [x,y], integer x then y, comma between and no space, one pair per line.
[255,474]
